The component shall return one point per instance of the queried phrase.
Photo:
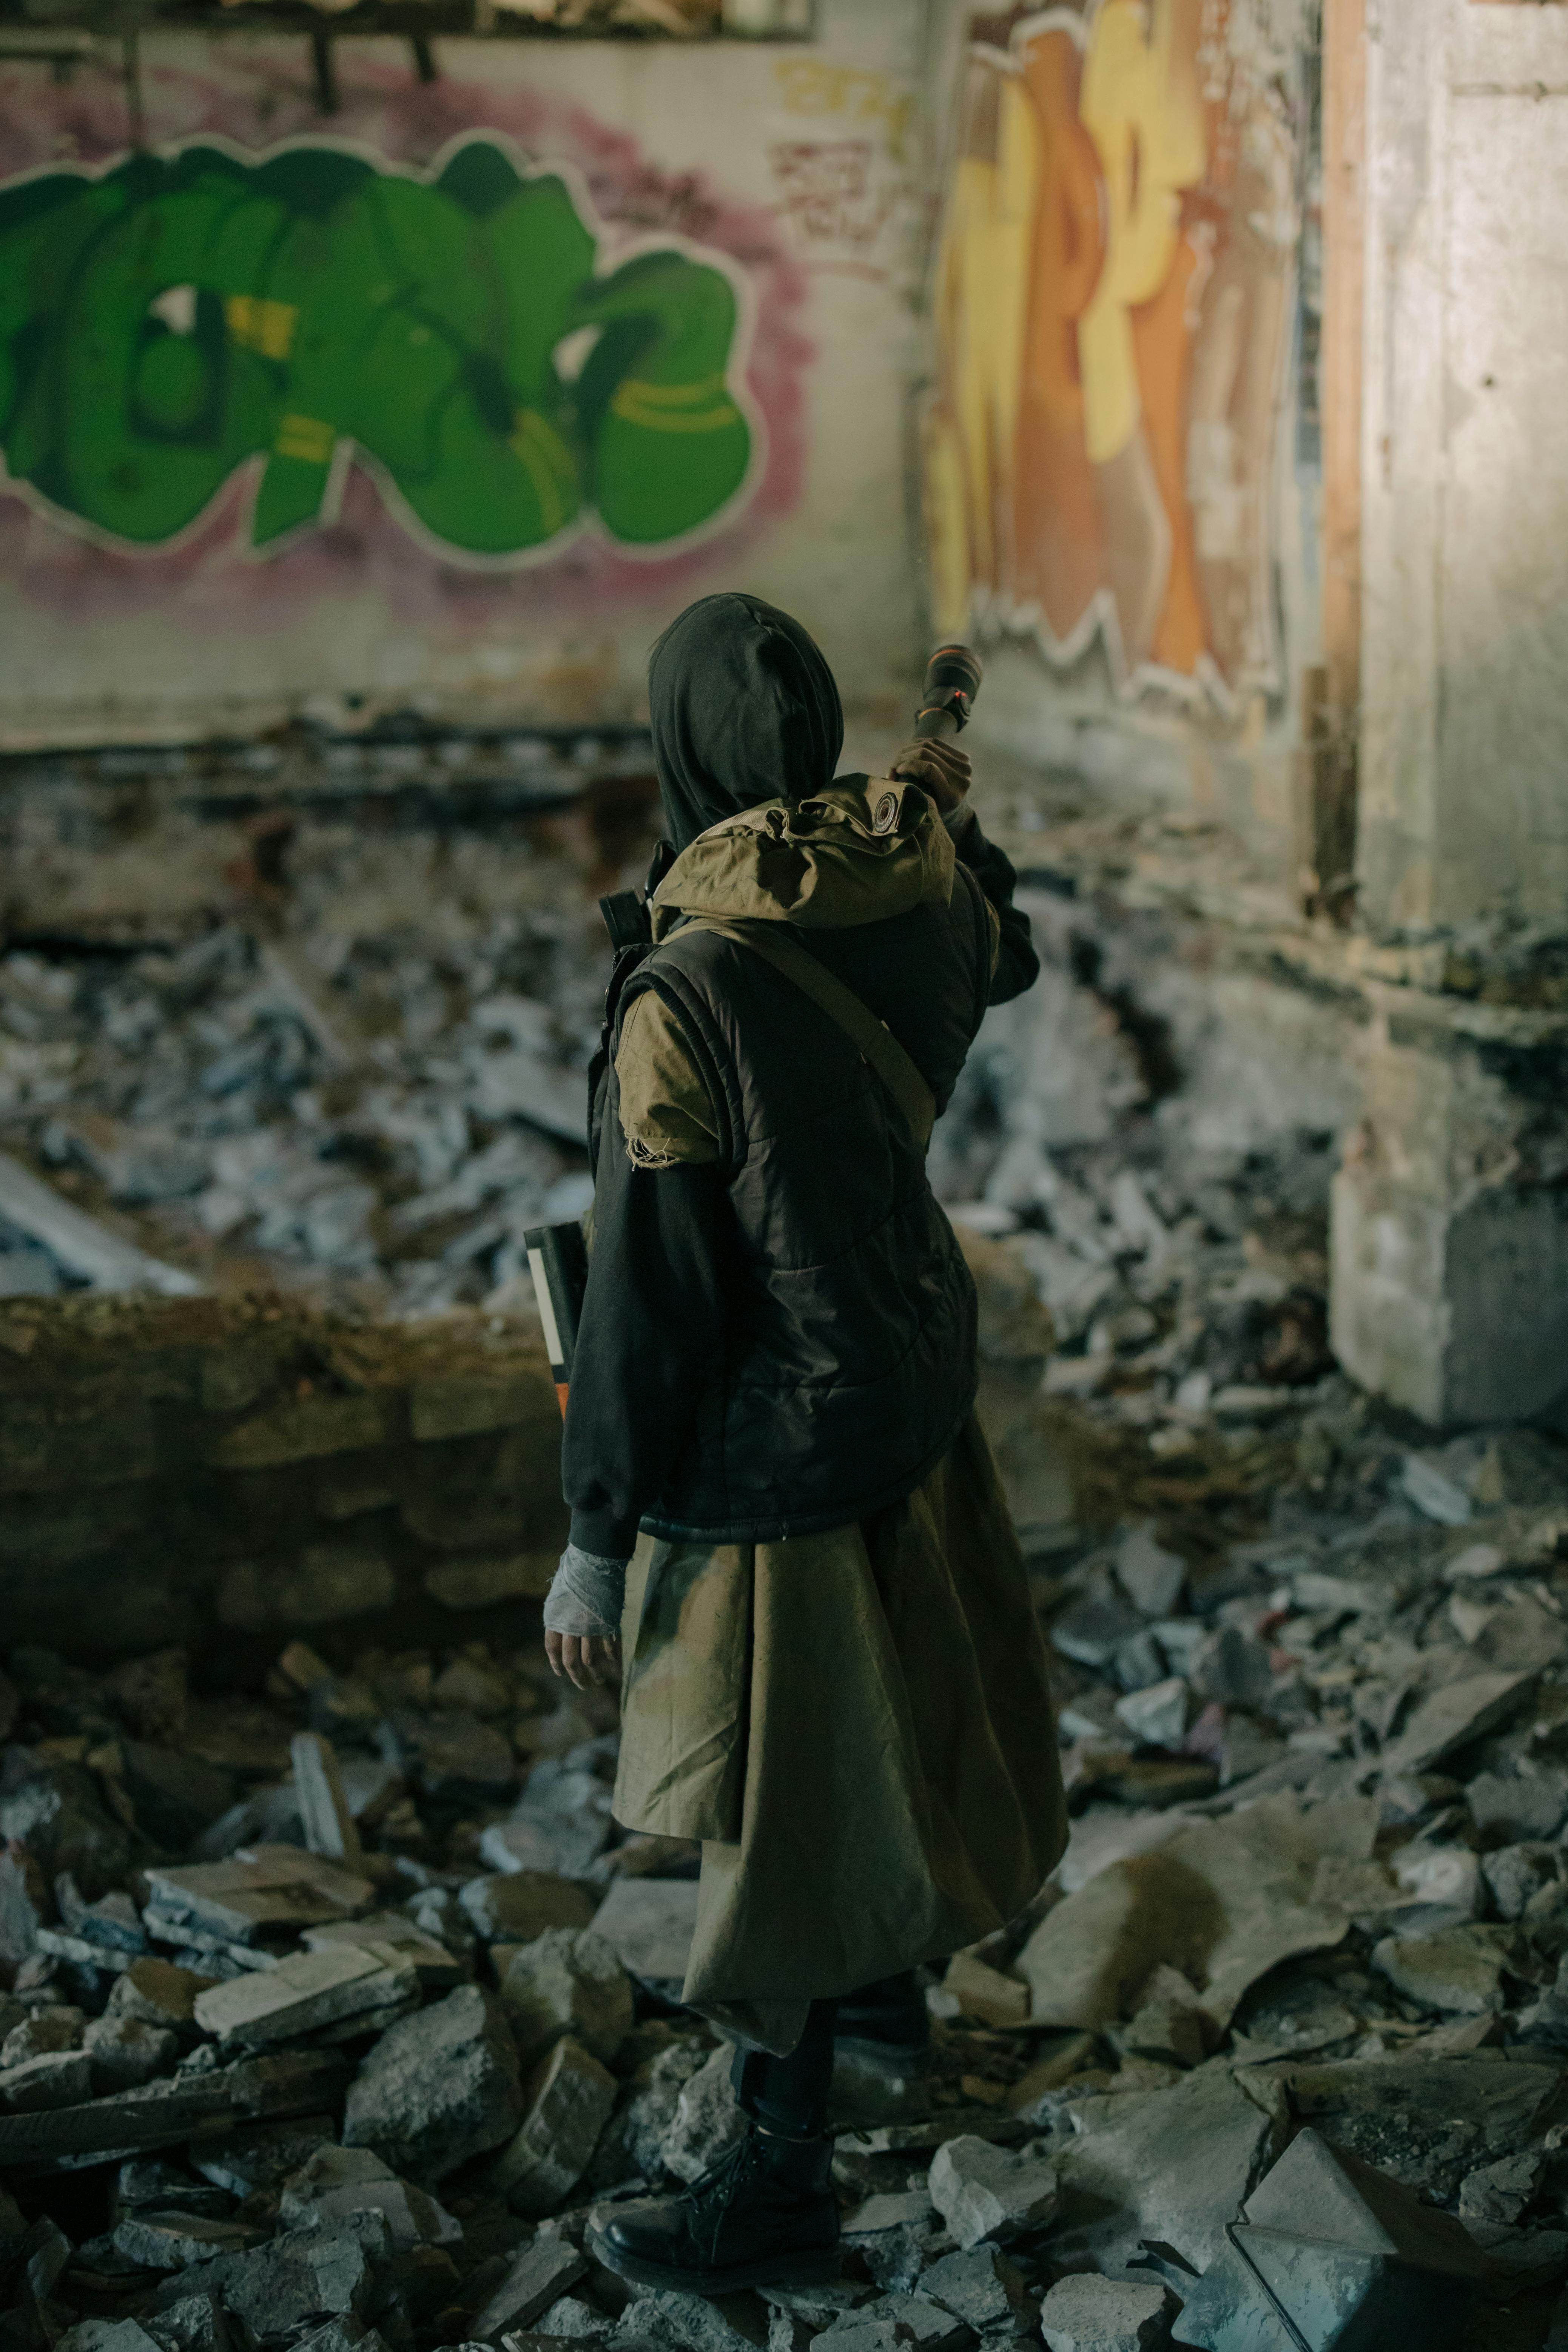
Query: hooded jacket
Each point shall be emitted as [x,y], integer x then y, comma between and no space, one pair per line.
[778,1332]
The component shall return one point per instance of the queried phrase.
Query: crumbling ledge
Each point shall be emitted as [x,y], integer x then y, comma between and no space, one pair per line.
[224,1471]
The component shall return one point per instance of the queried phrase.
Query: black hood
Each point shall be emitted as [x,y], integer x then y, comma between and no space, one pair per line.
[743,708]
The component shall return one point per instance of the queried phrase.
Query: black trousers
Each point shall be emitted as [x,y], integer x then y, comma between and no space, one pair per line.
[790,2094]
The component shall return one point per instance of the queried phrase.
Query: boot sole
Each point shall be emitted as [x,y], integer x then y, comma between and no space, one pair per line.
[819,2268]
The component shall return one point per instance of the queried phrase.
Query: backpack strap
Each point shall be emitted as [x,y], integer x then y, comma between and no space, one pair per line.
[872,1037]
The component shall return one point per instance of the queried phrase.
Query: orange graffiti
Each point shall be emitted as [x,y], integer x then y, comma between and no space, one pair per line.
[1117,254]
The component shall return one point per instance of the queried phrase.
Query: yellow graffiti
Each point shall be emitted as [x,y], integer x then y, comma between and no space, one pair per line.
[1112,309]
[812,86]
[307,438]
[1146,121]
[665,407]
[258,324]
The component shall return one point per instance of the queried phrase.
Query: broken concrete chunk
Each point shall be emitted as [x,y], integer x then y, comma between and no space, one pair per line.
[1460,1971]
[983,2289]
[922,2322]
[982,2191]
[195,2323]
[1451,1717]
[1232,1668]
[1324,2233]
[891,2209]
[519,1906]
[107,2335]
[308,1992]
[540,2274]
[1499,2192]
[707,2118]
[324,1808]
[1171,2165]
[45,2030]
[567,2101]
[437,2088]
[1527,1804]
[567,1981]
[648,1924]
[1426,2122]
[258,2155]
[1226,1899]
[1100,2315]
[60,2078]
[1157,1716]
[125,2053]
[1150,1576]
[335,2183]
[173,2241]
[436,1969]
[159,1993]
[300,2278]
[174,1795]
[1171,2025]
[260,1887]
[984,1992]
[1091,1631]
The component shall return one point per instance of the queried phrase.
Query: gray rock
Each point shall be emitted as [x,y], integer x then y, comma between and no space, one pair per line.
[1459,1971]
[707,2118]
[518,1907]
[567,2102]
[150,2182]
[348,2334]
[1232,1668]
[648,1924]
[173,2241]
[540,2274]
[195,2323]
[1527,1804]
[437,2088]
[60,2078]
[1451,1717]
[336,2182]
[1150,1577]
[343,1986]
[1157,1716]
[1427,2121]
[1170,2025]
[175,1796]
[731,2323]
[632,2142]
[1173,2164]
[125,2053]
[158,1993]
[922,2322]
[574,2320]
[303,2277]
[982,2191]
[564,1814]
[1515,1874]
[1100,2315]
[568,1981]
[107,2335]
[44,2030]
[1090,1631]
[983,2289]
[25,1904]
[259,2156]
[1499,2192]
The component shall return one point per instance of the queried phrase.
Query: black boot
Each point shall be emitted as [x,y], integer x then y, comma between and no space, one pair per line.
[886,2025]
[765,2215]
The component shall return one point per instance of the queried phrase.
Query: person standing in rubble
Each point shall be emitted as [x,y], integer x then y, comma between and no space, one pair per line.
[780,1493]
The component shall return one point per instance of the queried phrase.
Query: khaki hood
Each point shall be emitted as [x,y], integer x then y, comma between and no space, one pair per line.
[847,856]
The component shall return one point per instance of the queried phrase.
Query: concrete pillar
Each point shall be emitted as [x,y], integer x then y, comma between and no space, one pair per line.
[1450,1245]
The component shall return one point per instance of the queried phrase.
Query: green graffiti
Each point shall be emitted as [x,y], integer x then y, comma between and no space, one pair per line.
[166,323]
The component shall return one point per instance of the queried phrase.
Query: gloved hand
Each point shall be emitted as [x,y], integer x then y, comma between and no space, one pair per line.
[583,1617]
[940,768]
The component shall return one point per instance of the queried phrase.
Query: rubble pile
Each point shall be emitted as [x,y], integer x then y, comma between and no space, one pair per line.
[328,1030]
[331,2013]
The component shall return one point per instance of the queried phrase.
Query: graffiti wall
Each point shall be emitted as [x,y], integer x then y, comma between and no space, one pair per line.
[1115,316]
[460,394]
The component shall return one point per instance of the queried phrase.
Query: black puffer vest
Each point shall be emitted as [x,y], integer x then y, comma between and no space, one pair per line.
[849,1350]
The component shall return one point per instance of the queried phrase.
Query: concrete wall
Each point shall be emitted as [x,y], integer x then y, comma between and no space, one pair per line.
[1464,793]
[327,466]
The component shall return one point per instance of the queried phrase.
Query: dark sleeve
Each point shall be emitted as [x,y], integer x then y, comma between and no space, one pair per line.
[649,1342]
[1018,965]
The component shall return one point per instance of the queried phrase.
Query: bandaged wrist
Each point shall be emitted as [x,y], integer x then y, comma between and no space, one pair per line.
[585,1595]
